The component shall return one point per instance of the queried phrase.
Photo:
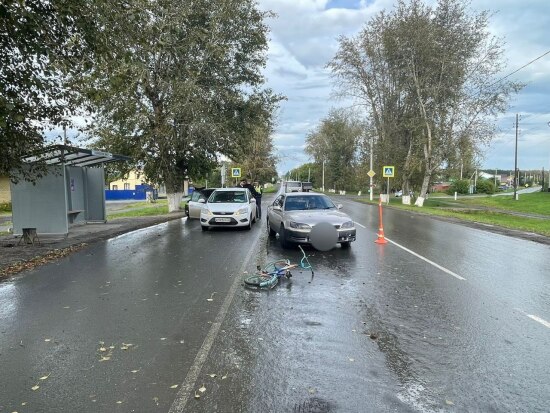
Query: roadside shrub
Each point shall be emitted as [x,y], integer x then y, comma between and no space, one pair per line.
[5,206]
[461,187]
[485,186]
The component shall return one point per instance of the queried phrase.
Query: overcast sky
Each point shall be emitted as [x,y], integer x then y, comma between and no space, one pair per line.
[303,40]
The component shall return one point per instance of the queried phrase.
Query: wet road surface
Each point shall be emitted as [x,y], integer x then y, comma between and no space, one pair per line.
[379,328]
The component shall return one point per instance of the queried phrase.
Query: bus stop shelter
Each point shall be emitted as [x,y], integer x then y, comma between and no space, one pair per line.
[71,192]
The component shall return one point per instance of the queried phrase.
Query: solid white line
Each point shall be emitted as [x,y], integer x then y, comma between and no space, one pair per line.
[182,397]
[362,226]
[539,320]
[534,318]
[427,260]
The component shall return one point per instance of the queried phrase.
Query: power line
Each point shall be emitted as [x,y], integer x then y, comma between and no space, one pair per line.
[522,67]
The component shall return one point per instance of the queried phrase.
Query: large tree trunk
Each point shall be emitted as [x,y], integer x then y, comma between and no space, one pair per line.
[425,182]
[174,200]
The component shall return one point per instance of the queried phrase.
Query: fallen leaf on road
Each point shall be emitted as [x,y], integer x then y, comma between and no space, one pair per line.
[202,389]
[224,376]
[212,375]
[450,403]
[34,388]
[44,377]
[197,395]
[350,359]
[47,340]
[163,338]
[211,297]
[135,371]
[102,349]
[174,386]
[67,307]
[105,358]
[119,402]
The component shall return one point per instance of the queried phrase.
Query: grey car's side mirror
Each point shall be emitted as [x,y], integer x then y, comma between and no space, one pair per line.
[202,201]
[277,208]
[339,206]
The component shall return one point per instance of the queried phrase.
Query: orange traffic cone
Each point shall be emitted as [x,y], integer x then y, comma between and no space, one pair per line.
[381,239]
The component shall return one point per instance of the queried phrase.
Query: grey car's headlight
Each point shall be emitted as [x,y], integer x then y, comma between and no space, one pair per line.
[298,225]
[347,224]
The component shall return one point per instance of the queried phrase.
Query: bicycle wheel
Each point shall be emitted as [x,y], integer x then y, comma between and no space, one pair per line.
[261,281]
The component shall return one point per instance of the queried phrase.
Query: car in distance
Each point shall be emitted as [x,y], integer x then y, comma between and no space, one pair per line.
[194,206]
[293,186]
[293,215]
[228,207]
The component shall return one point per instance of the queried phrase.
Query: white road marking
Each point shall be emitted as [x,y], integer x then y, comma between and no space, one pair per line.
[539,320]
[182,397]
[362,226]
[427,260]
[535,318]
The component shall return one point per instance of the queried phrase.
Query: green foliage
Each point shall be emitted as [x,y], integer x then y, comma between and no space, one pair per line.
[39,42]
[179,85]
[425,74]
[485,186]
[5,206]
[460,186]
[336,143]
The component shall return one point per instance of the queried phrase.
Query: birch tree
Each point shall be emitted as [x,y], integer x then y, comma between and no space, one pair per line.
[428,75]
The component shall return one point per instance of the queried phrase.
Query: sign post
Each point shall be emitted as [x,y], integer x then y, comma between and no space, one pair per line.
[235,173]
[388,172]
[371,174]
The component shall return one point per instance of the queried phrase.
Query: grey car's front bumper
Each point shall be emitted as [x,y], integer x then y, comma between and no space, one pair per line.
[302,237]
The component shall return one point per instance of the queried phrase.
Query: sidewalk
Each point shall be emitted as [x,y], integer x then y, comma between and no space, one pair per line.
[16,258]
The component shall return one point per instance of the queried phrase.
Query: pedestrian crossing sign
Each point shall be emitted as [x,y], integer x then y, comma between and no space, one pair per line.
[235,172]
[388,171]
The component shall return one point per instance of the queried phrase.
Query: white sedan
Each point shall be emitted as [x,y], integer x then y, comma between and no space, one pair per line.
[229,207]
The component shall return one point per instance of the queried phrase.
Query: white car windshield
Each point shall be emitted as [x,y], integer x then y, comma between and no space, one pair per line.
[297,203]
[237,197]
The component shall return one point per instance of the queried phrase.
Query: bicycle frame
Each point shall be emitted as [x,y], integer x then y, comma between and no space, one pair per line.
[271,273]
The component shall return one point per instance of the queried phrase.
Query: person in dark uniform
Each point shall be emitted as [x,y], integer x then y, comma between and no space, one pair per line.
[257,196]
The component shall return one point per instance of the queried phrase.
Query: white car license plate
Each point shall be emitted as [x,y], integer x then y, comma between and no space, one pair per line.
[223,219]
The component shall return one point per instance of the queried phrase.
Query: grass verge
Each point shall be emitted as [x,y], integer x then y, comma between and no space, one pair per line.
[462,210]
[142,211]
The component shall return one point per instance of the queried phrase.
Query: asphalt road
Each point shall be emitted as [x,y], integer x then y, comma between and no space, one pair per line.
[442,318]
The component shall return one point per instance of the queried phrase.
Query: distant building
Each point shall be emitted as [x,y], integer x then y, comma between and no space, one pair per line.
[134,178]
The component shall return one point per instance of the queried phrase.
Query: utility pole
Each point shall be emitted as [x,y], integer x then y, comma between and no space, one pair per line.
[323,176]
[516,162]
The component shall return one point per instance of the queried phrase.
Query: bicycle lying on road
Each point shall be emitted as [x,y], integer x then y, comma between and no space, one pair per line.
[269,276]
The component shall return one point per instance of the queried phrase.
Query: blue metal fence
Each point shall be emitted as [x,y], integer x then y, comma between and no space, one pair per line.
[130,194]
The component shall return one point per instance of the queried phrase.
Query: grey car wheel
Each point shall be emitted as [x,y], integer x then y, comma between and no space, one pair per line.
[282,238]
[269,229]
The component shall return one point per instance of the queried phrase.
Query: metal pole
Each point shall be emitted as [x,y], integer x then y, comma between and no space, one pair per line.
[388,191]
[516,161]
